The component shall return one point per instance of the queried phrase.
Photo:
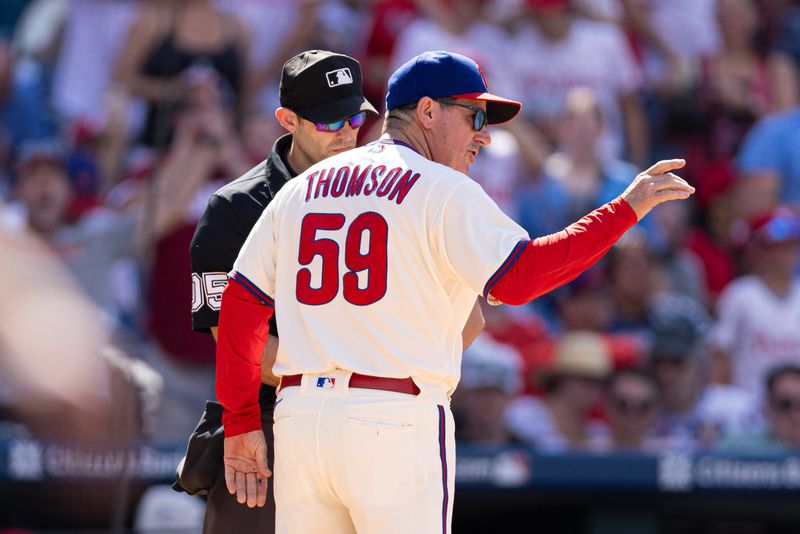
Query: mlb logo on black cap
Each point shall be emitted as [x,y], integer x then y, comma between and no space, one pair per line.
[339,77]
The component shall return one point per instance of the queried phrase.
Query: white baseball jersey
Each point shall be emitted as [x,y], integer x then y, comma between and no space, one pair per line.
[374,258]
[758,329]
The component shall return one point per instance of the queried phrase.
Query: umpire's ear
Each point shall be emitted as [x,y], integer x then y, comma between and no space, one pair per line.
[288,119]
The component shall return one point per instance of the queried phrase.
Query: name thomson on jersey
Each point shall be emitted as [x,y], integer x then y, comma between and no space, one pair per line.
[394,184]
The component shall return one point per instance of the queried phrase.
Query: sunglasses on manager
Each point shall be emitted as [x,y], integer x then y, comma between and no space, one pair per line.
[356,121]
[479,120]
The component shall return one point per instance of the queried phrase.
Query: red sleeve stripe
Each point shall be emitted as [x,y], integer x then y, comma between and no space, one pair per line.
[512,258]
[252,288]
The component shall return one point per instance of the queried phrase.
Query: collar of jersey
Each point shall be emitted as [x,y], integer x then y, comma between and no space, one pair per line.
[390,141]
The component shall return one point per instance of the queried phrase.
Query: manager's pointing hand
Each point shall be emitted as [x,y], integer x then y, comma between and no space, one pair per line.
[656,185]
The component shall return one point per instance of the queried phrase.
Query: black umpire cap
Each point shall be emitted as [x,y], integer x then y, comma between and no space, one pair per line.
[323,86]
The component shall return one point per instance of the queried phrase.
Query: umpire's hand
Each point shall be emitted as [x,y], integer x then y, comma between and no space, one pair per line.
[656,185]
[246,468]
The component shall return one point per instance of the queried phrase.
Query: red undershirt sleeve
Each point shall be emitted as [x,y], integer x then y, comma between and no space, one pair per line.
[242,335]
[556,259]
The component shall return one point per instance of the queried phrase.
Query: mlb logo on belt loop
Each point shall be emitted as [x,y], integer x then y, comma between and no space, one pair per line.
[339,77]
[326,382]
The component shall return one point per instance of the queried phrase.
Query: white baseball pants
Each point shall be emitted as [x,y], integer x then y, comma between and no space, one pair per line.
[353,460]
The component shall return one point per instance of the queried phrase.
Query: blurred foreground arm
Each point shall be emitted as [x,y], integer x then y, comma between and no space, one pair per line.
[52,337]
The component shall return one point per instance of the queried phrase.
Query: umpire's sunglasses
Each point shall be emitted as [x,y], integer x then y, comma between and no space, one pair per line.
[356,121]
[479,121]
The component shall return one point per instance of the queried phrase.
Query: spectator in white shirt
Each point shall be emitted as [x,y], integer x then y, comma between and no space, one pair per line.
[759,313]
[558,51]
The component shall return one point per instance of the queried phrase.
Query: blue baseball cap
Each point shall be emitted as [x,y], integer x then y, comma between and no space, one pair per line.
[41,151]
[445,74]
[778,225]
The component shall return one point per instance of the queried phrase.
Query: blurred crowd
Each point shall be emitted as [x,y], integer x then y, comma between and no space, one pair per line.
[119,119]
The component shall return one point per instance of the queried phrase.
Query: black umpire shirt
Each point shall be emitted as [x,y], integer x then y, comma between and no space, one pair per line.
[231,213]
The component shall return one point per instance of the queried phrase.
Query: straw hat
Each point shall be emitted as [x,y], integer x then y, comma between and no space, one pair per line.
[581,354]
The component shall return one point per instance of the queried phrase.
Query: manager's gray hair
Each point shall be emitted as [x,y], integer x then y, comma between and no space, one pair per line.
[402,114]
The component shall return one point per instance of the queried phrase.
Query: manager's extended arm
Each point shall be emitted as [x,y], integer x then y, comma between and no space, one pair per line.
[543,264]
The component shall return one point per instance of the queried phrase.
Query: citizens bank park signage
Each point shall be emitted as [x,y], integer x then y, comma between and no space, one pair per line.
[681,472]
[28,460]
[499,468]
[674,472]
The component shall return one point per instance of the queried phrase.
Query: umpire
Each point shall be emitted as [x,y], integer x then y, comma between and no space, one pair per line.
[322,108]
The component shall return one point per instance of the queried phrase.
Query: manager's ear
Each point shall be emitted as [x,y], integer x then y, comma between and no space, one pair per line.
[288,119]
[427,111]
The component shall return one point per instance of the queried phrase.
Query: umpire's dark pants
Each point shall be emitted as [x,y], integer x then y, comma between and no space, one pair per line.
[224,514]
